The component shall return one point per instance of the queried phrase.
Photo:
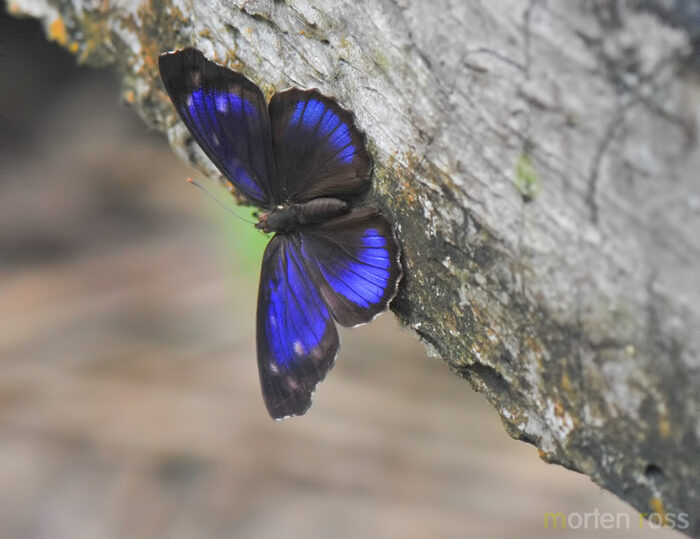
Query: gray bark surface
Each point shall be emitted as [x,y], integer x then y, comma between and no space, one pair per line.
[541,163]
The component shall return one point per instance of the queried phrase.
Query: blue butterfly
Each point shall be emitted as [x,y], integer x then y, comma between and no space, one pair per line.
[303,161]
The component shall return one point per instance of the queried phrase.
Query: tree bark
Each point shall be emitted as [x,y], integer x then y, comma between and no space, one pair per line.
[541,163]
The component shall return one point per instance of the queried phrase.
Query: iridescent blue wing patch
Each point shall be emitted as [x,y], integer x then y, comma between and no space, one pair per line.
[296,337]
[227,116]
[318,149]
[354,261]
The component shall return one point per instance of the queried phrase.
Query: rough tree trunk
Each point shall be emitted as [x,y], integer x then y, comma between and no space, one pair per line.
[540,160]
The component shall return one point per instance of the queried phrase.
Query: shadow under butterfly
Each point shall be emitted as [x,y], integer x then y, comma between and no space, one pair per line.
[303,161]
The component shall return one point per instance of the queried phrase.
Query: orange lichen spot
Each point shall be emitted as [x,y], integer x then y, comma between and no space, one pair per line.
[658,506]
[664,426]
[13,8]
[74,47]
[559,409]
[249,30]
[150,46]
[57,32]
[130,96]
[546,456]
[149,60]
[565,382]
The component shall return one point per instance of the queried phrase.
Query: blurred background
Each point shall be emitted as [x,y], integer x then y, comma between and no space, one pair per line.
[129,394]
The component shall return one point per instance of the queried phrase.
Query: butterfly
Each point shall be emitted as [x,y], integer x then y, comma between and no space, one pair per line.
[302,160]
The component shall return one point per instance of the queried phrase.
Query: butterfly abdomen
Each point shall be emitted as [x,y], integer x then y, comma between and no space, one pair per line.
[287,219]
[321,209]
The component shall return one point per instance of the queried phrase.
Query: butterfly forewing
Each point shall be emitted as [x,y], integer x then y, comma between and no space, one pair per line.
[318,150]
[354,261]
[296,337]
[228,117]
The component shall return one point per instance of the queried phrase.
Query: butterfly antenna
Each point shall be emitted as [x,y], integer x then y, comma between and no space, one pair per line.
[229,210]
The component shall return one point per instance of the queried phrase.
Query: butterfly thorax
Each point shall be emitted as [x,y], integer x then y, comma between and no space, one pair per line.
[292,217]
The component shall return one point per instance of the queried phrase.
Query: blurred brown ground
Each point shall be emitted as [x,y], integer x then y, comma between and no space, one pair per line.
[129,397]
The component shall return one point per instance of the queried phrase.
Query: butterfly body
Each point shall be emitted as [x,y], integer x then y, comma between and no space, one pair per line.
[302,160]
[293,217]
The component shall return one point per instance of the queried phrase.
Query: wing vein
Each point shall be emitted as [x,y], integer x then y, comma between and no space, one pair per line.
[354,257]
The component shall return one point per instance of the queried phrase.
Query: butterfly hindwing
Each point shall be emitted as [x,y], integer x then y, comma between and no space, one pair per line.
[354,260]
[318,150]
[296,337]
[228,117]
